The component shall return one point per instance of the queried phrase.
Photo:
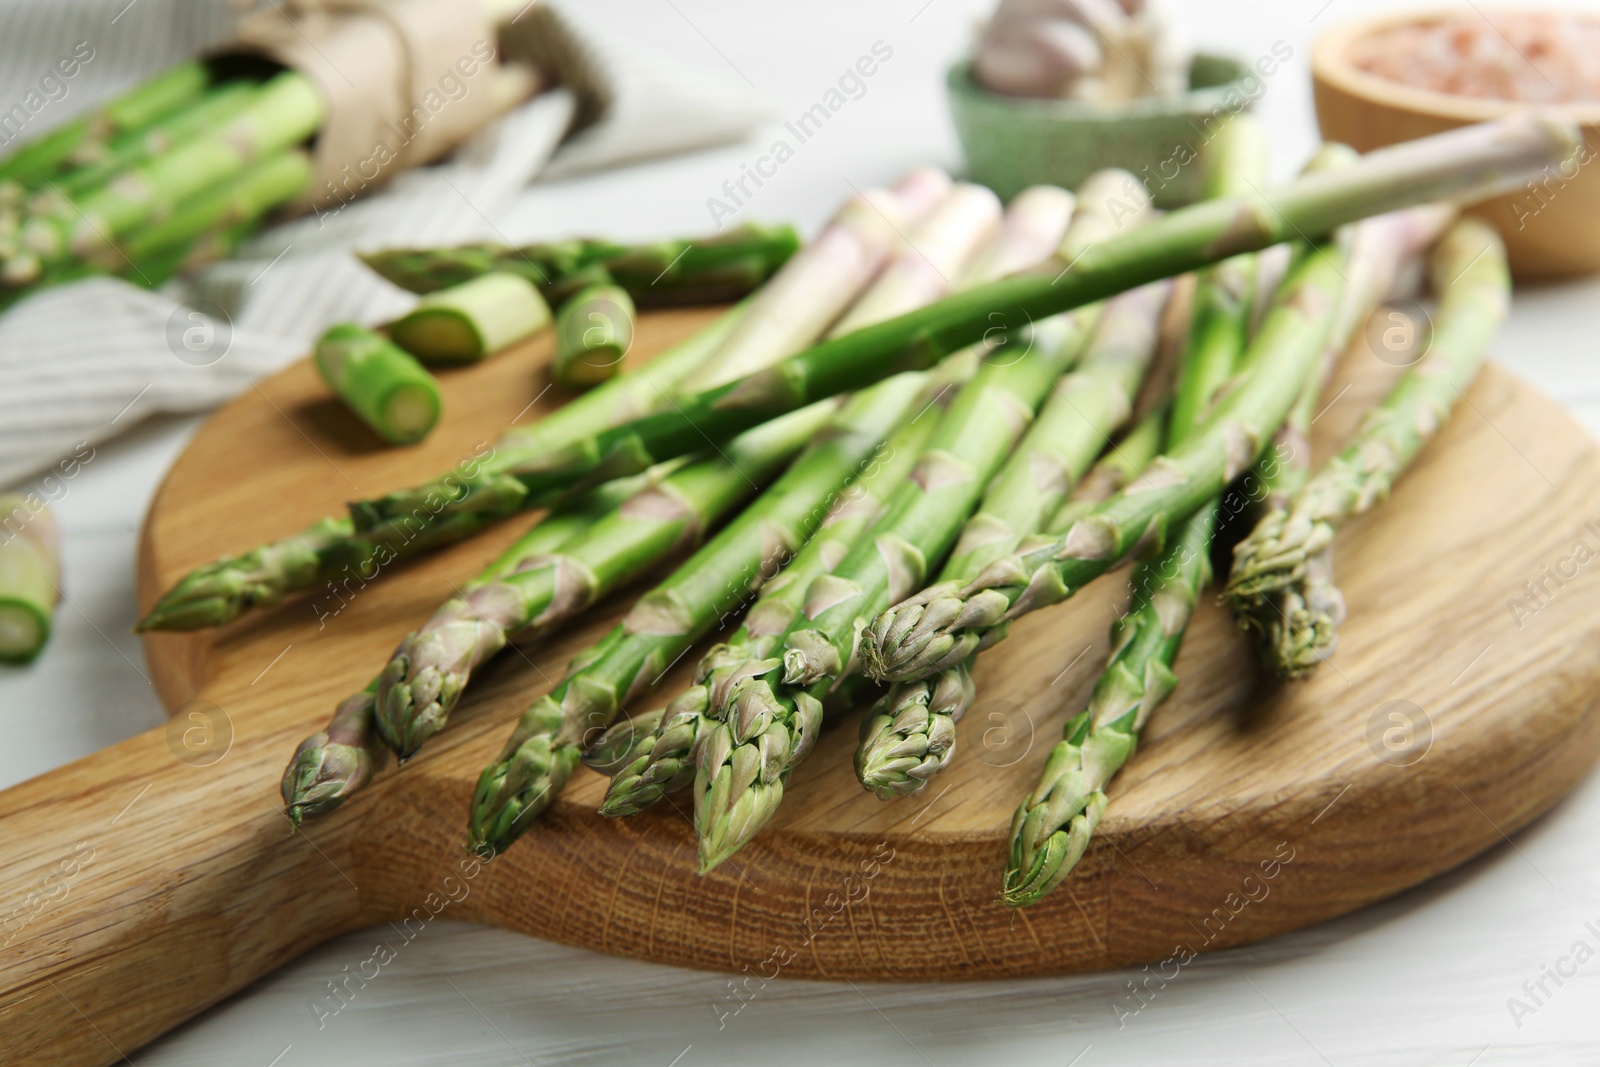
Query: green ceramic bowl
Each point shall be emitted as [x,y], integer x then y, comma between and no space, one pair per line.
[1012,142]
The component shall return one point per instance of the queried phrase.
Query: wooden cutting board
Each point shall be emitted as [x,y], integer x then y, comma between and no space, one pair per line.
[158,876]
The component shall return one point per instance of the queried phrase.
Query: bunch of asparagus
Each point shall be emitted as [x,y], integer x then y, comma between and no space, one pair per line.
[970,454]
[176,171]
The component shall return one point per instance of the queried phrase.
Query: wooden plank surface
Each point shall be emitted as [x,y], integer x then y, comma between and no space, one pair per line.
[193,885]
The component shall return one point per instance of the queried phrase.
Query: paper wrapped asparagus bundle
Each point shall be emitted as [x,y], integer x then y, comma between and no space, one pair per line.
[218,136]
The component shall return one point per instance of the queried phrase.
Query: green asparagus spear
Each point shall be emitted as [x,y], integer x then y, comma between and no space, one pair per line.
[1034,850]
[1054,822]
[331,765]
[704,270]
[285,112]
[30,577]
[910,733]
[594,331]
[806,295]
[942,626]
[1033,227]
[427,673]
[1281,584]
[1124,460]
[244,198]
[224,589]
[1235,162]
[1469,162]
[467,322]
[935,253]
[546,745]
[380,382]
[811,290]
[282,113]
[769,709]
[127,150]
[134,110]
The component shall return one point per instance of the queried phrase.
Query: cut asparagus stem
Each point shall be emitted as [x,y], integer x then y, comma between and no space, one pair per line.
[545,747]
[909,735]
[333,763]
[627,397]
[224,589]
[926,634]
[654,754]
[134,110]
[594,331]
[936,252]
[427,673]
[1054,823]
[769,709]
[243,198]
[1469,162]
[380,382]
[467,322]
[30,577]
[706,270]
[339,760]
[1281,582]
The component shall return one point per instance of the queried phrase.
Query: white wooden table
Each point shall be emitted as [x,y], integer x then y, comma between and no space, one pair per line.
[1423,979]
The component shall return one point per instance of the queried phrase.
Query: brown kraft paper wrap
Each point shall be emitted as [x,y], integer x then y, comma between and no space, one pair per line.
[403,81]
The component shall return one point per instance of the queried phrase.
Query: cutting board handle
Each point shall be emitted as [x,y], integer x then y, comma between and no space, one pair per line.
[150,880]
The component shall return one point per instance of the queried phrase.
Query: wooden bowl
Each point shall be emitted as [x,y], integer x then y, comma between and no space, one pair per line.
[1551,227]
[1012,142]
